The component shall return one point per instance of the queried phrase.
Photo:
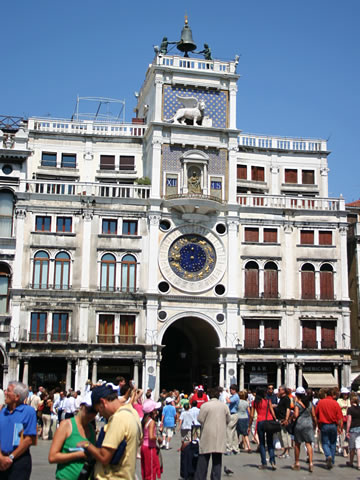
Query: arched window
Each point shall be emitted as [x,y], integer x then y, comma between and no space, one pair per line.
[308,281]
[108,269]
[252,280]
[62,271]
[6,213]
[4,288]
[41,270]
[326,282]
[270,280]
[128,273]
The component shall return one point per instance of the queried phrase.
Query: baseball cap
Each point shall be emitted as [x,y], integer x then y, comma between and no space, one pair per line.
[150,405]
[200,387]
[102,391]
[300,390]
[168,400]
[344,390]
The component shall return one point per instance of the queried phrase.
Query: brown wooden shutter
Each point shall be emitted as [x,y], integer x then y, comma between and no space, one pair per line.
[242,172]
[127,162]
[271,339]
[307,285]
[106,328]
[326,285]
[270,283]
[290,176]
[251,234]
[251,283]
[107,162]
[257,174]
[325,238]
[307,237]
[251,334]
[270,235]
[308,177]
[328,335]
[309,335]
[127,328]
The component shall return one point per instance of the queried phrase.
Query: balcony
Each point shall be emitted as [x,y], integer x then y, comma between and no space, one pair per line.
[291,203]
[116,339]
[268,142]
[47,337]
[196,64]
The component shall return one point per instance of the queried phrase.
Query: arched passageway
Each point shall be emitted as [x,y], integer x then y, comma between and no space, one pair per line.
[190,355]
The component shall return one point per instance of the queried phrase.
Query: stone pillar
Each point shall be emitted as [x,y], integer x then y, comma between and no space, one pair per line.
[153,249]
[86,250]
[324,181]
[82,374]
[274,184]
[233,259]
[290,374]
[83,323]
[346,375]
[300,375]
[278,375]
[94,371]
[317,284]
[222,371]
[231,369]
[343,272]
[151,379]
[158,98]
[337,372]
[289,264]
[156,168]
[25,378]
[68,374]
[17,369]
[157,383]
[136,373]
[12,372]
[17,279]
[242,376]
[232,178]
[5,379]
[232,104]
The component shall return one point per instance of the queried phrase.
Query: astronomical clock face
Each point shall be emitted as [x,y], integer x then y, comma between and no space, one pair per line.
[192,257]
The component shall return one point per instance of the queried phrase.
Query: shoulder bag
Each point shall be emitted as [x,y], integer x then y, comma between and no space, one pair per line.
[271,426]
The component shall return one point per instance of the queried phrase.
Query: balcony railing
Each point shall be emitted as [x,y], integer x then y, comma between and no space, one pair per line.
[48,337]
[282,143]
[89,189]
[289,202]
[195,64]
[105,338]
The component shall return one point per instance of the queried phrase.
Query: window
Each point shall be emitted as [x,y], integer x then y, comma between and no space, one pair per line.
[48,159]
[62,271]
[41,270]
[251,234]
[257,174]
[4,288]
[108,269]
[291,175]
[308,281]
[251,334]
[38,326]
[107,162]
[271,337]
[309,335]
[251,280]
[68,160]
[42,224]
[308,177]
[270,280]
[325,238]
[270,235]
[127,329]
[109,226]
[128,273]
[60,327]
[6,213]
[326,282]
[307,237]
[127,162]
[242,172]
[129,227]
[64,224]
[328,335]
[106,329]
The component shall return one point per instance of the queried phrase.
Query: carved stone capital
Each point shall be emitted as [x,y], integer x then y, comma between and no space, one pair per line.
[156,143]
[324,171]
[20,213]
[88,156]
[288,228]
[88,215]
[8,140]
[233,225]
[274,169]
[343,230]
[154,218]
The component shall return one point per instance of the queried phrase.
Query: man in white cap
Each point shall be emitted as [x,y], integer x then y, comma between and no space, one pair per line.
[168,419]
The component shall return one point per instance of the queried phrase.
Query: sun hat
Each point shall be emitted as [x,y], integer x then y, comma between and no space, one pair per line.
[344,390]
[300,390]
[150,406]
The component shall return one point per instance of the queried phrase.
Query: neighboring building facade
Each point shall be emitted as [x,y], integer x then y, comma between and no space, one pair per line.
[231,266]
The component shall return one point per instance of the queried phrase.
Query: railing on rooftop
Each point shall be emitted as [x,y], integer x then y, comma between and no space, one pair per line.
[195,64]
[113,190]
[291,202]
[86,127]
[282,143]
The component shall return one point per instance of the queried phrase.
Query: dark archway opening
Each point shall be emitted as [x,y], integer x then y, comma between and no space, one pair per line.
[190,356]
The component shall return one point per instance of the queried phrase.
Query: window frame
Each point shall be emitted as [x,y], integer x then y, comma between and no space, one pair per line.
[43,219]
[129,223]
[64,220]
[68,155]
[107,264]
[5,273]
[43,162]
[110,221]
[61,262]
[107,165]
[305,235]
[106,337]
[288,173]
[250,232]
[127,337]
[41,261]
[59,336]
[38,331]
[128,264]
[130,166]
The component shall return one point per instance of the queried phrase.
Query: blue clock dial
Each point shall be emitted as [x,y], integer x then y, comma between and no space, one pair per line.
[192,257]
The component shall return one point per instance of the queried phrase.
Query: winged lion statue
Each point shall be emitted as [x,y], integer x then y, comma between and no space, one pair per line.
[192,109]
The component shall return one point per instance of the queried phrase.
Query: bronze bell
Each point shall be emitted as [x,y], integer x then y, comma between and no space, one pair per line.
[186,43]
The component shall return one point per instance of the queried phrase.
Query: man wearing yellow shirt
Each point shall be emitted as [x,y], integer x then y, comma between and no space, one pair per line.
[123,424]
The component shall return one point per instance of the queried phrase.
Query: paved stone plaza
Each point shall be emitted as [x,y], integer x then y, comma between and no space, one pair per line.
[243,466]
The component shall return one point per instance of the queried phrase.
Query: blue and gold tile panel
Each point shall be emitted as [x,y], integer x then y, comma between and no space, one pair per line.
[171,155]
[215,103]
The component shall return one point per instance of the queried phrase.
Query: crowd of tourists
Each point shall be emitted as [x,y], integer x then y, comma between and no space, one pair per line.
[104,431]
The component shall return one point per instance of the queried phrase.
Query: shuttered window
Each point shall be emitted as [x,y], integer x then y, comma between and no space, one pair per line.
[127,328]
[307,237]
[127,162]
[107,162]
[290,175]
[328,335]
[309,335]
[326,282]
[252,334]
[251,280]
[257,174]
[308,282]
[270,235]
[308,177]
[271,339]
[325,238]
[242,172]
[270,280]
[251,234]
[106,329]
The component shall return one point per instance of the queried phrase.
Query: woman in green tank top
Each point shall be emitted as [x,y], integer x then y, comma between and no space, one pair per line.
[67,436]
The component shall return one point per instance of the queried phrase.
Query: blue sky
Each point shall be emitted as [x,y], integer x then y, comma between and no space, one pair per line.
[299,62]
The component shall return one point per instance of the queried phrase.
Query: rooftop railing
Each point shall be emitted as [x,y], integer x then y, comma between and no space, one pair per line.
[195,64]
[290,202]
[282,143]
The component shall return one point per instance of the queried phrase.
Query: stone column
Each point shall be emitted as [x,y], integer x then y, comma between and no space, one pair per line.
[233,151]
[233,259]
[12,372]
[274,184]
[232,104]
[300,375]
[337,372]
[222,371]
[278,375]
[153,249]
[94,371]
[156,168]
[324,181]
[25,378]
[158,98]
[157,384]
[18,369]
[151,379]
[82,374]
[290,374]
[289,264]
[317,284]
[17,279]
[83,323]
[231,369]
[343,272]
[86,250]
[136,373]
[242,376]
[68,374]
[346,375]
